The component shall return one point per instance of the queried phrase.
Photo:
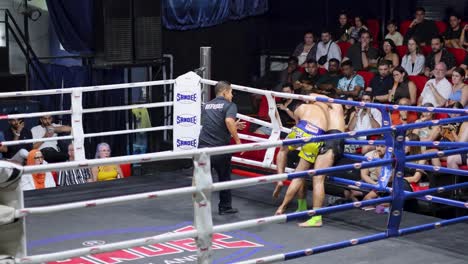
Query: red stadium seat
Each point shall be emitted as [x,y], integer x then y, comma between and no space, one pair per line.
[404,27]
[441,26]
[344,46]
[402,50]
[426,50]
[420,82]
[55,175]
[126,170]
[322,71]
[374,28]
[263,109]
[459,54]
[367,77]
[462,167]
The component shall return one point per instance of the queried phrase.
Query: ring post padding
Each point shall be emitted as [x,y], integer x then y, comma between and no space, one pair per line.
[276,129]
[202,208]
[77,124]
[187,112]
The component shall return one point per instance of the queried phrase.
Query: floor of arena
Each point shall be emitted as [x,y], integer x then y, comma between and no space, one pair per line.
[94,226]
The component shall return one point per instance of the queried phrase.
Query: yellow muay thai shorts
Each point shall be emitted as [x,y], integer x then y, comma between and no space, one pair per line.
[309,151]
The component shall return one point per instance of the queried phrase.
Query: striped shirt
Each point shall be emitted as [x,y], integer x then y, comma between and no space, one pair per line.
[75,176]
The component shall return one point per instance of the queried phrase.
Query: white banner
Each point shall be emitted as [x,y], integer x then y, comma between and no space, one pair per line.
[187,111]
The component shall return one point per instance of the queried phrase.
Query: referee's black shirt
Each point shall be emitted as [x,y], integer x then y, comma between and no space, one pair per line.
[214,131]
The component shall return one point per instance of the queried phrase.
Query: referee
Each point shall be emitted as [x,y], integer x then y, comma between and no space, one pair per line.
[218,125]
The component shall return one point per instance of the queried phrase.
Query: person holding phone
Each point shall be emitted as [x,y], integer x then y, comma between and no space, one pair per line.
[17,131]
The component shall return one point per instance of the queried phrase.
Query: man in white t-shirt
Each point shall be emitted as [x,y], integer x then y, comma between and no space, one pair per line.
[436,91]
[327,49]
[50,149]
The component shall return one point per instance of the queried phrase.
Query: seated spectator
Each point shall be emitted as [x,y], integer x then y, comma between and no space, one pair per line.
[362,54]
[105,172]
[402,87]
[455,161]
[351,84]
[49,149]
[356,30]
[342,31]
[413,62]
[289,75]
[365,118]
[328,82]
[16,131]
[439,54]
[74,176]
[308,79]
[453,32]
[306,50]
[436,91]
[431,133]
[403,117]
[36,180]
[348,111]
[464,38]
[327,49]
[459,91]
[393,34]
[389,52]
[382,83]
[421,29]
[413,175]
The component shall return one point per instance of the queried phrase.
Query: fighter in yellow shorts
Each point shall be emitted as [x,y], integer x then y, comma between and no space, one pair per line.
[305,129]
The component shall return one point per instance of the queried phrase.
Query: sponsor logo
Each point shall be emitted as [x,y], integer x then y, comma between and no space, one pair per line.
[186,97]
[214,106]
[187,245]
[186,120]
[186,143]
[312,128]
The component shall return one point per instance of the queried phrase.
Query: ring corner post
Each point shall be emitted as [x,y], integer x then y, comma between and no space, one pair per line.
[205,64]
[77,124]
[202,208]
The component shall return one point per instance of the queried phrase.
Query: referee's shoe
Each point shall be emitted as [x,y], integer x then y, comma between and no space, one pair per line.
[227,210]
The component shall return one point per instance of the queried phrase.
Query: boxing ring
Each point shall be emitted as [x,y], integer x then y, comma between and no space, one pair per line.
[186,91]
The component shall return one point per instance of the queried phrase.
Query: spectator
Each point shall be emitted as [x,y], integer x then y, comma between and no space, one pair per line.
[306,50]
[413,62]
[413,175]
[400,117]
[402,87]
[105,172]
[348,112]
[16,131]
[329,81]
[289,75]
[49,149]
[459,89]
[453,32]
[455,161]
[74,176]
[362,54]
[464,37]
[309,78]
[436,91]
[326,50]
[421,29]
[285,110]
[355,31]
[439,54]
[389,52]
[382,83]
[36,180]
[342,32]
[351,84]
[393,34]
[427,133]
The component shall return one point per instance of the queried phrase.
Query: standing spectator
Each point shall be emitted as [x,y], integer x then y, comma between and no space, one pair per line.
[355,31]
[329,81]
[289,75]
[453,32]
[382,83]
[218,126]
[36,180]
[16,131]
[393,34]
[439,54]
[74,176]
[402,87]
[49,149]
[459,91]
[342,31]
[351,84]
[362,54]
[436,91]
[306,50]
[464,37]
[105,172]
[413,61]
[327,49]
[308,79]
[389,53]
[421,29]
